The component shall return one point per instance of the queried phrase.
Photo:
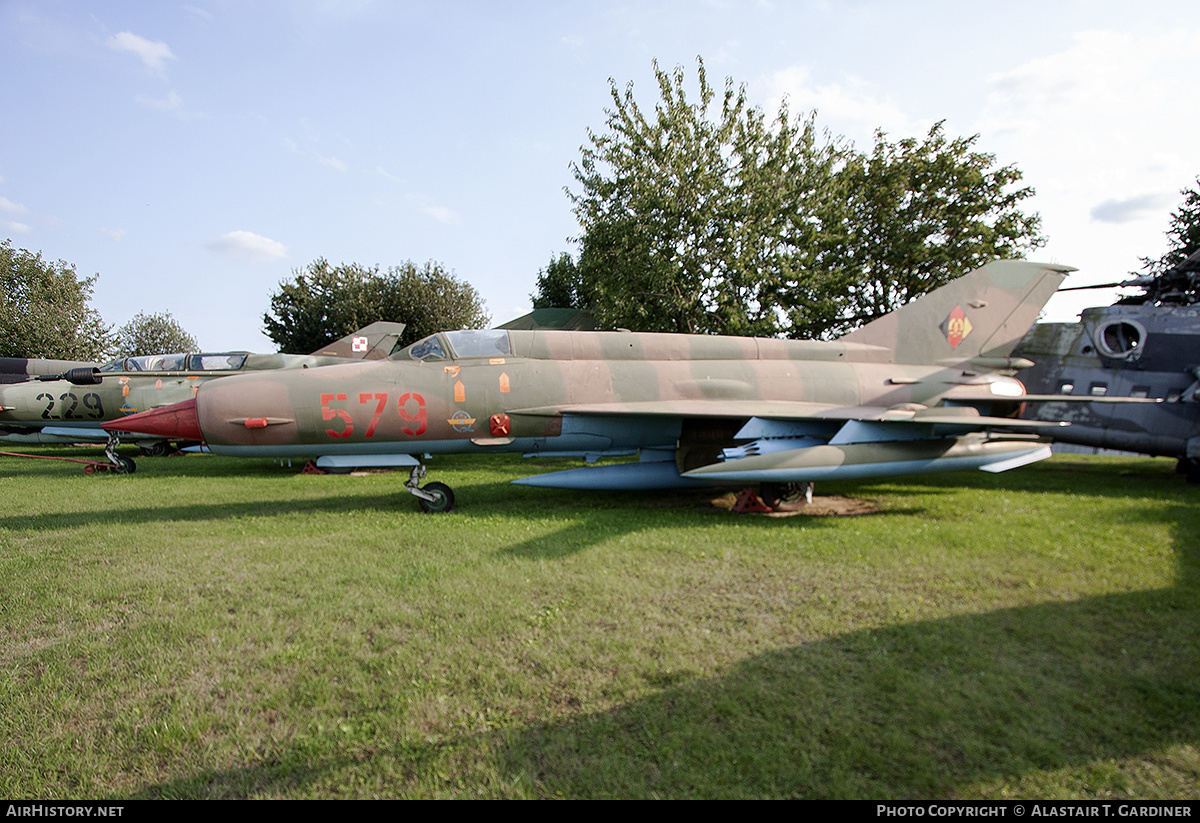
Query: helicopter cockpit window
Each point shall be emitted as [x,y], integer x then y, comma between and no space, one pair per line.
[428,349]
[225,361]
[1120,338]
[479,343]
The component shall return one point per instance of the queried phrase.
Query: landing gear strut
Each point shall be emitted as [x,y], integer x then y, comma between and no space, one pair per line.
[433,498]
[120,463]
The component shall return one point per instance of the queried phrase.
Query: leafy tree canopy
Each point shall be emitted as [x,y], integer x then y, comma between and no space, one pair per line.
[1183,236]
[920,213]
[705,217]
[45,310]
[324,303]
[153,334]
[558,284]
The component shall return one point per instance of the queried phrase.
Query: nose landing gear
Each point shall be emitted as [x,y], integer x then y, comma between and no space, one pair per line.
[433,498]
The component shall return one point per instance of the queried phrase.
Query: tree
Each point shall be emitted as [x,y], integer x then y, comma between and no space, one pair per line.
[703,220]
[920,213]
[690,216]
[558,284]
[324,303]
[153,334]
[45,310]
[1183,235]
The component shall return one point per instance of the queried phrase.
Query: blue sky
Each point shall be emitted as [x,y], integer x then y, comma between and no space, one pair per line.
[193,155]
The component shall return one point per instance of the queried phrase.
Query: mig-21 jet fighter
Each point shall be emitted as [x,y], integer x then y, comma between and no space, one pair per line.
[926,388]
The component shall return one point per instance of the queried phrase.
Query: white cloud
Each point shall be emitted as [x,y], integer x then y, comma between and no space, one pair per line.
[153,53]
[332,162]
[116,235]
[1125,210]
[199,12]
[387,175]
[171,104]
[850,108]
[1104,130]
[1112,113]
[440,214]
[15,228]
[9,207]
[248,247]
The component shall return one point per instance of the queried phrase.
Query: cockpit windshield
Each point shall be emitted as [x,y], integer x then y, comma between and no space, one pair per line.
[428,349]
[156,362]
[224,361]
[466,343]
[479,342]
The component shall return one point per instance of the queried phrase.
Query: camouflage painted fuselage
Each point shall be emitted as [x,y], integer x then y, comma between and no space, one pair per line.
[917,390]
[59,411]
[592,393]
[77,401]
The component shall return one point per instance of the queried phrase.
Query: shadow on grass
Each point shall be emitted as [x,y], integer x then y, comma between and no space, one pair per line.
[933,709]
[914,711]
[924,710]
[587,519]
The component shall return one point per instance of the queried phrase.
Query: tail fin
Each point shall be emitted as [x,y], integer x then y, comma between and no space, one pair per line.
[373,342]
[983,314]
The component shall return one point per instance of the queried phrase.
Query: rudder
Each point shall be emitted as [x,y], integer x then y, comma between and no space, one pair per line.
[984,313]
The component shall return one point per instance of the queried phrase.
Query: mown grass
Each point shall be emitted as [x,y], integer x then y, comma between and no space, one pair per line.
[220,628]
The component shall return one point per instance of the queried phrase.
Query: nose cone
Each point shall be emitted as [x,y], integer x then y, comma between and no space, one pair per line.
[175,422]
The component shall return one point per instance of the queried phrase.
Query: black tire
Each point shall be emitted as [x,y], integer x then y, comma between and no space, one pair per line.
[160,448]
[444,501]
[125,465]
[775,495]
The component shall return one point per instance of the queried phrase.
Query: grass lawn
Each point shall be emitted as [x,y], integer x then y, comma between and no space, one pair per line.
[214,628]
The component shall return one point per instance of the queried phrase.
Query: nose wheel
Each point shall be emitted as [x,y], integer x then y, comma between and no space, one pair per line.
[120,463]
[433,498]
[441,498]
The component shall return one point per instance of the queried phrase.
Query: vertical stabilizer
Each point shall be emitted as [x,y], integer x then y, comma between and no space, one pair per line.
[373,342]
[984,313]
